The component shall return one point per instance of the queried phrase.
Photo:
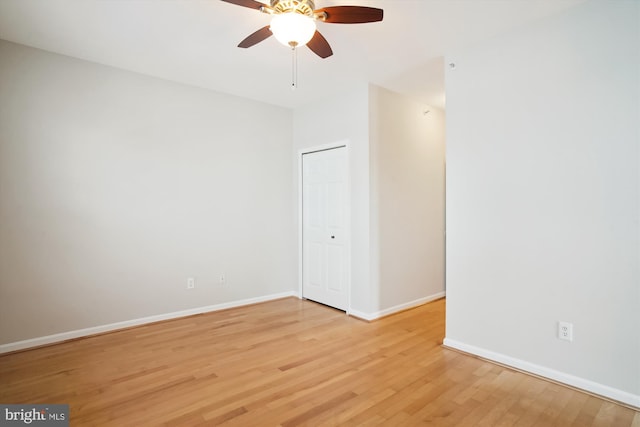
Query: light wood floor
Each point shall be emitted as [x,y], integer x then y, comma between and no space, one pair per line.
[291,362]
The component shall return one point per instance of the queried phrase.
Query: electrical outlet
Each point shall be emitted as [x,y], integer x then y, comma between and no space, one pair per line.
[223,280]
[191,283]
[565,331]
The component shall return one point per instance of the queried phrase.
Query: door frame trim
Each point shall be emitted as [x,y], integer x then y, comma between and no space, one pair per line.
[314,149]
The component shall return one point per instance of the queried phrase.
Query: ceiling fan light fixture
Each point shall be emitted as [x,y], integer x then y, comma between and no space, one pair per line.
[292,28]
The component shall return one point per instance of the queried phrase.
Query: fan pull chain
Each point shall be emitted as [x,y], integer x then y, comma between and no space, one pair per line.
[294,68]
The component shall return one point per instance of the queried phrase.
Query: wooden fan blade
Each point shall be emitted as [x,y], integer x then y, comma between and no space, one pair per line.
[255,38]
[251,4]
[350,14]
[320,46]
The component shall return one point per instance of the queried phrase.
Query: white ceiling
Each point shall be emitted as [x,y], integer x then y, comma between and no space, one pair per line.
[194,42]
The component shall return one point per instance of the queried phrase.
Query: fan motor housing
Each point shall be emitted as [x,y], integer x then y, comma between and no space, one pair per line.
[304,7]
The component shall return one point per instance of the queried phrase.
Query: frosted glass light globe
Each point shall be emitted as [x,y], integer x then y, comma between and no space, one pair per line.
[293,29]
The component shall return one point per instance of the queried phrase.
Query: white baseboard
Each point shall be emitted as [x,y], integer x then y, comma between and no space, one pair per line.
[395,309]
[561,377]
[64,336]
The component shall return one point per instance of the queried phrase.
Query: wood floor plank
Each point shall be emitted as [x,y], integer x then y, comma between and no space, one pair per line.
[291,363]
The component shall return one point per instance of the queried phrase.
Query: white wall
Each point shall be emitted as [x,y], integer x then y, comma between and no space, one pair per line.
[407,199]
[115,187]
[346,119]
[543,198]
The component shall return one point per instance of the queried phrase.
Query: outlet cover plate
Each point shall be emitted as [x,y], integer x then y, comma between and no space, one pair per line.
[565,331]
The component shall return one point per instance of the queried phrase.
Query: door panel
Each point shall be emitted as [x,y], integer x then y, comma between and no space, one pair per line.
[324,233]
[315,265]
[335,268]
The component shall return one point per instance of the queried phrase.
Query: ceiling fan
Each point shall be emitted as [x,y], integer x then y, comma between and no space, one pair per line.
[293,22]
